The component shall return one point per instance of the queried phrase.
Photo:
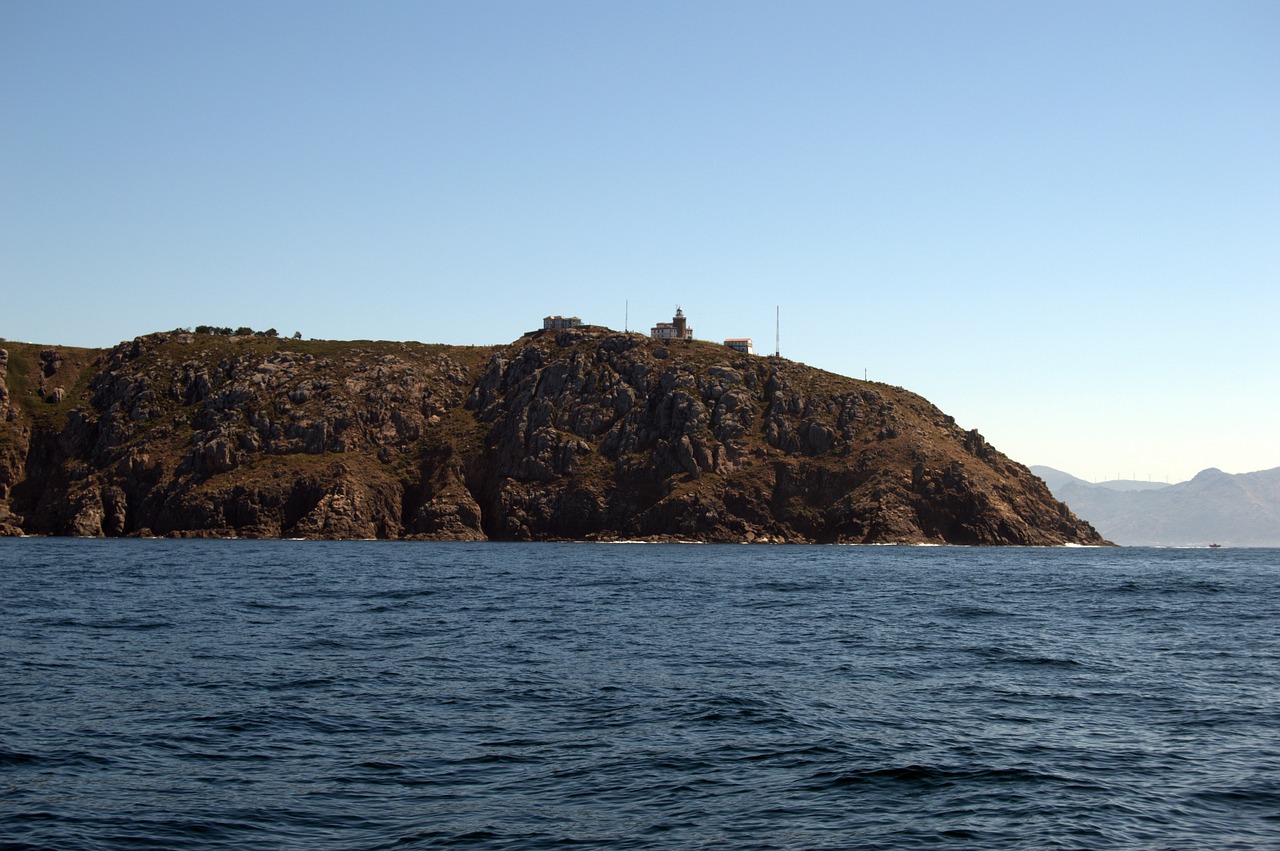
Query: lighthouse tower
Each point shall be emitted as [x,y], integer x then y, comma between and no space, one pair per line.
[677,329]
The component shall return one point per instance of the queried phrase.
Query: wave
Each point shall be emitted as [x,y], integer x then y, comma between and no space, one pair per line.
[520,696]
[928,776]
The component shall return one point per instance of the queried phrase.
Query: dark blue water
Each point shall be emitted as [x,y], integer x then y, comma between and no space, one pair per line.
[235,694]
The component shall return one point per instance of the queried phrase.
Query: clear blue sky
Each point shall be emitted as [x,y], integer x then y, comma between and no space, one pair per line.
[1058,221]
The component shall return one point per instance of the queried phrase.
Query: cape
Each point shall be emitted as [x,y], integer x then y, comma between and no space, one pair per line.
[572,434]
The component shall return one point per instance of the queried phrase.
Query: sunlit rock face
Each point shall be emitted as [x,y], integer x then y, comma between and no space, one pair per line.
[581,433]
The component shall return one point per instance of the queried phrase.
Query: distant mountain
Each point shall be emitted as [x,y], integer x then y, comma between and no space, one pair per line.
[1214,507]
[1055,478]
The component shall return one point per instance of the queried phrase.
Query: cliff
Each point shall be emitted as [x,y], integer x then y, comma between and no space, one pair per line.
[573,434]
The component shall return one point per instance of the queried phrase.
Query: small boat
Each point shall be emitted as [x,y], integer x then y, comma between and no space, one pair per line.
[1215,546]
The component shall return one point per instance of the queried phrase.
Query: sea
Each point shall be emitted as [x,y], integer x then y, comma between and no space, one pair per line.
[377,695]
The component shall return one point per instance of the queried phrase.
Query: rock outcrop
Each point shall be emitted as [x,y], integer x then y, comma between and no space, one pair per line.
[581,433]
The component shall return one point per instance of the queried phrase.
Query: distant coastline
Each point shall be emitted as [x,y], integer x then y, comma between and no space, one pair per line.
[1240,510]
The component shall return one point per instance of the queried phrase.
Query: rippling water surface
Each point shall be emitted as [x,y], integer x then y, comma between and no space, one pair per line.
[238,694]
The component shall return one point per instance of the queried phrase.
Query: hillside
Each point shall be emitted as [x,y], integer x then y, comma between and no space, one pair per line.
[1056,479]
[574,434]
[1214,507]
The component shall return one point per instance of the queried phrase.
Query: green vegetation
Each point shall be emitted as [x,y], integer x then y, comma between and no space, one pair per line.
[18,378]
[242,331]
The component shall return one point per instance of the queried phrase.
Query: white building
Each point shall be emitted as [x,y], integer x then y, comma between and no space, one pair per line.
[676,329]
[741,344]
[550,322]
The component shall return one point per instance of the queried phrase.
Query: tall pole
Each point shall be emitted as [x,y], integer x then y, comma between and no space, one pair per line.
[777,331]
[626,317]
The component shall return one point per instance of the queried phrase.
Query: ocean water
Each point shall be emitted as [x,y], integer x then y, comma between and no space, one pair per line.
[337,695]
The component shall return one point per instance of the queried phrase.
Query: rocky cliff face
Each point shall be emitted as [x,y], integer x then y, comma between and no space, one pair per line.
[572,434]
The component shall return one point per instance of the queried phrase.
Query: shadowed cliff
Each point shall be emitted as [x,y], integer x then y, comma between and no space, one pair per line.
[582,433]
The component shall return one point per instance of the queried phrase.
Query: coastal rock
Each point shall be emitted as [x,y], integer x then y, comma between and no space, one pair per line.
[581,433]
[350,509]
[52,360]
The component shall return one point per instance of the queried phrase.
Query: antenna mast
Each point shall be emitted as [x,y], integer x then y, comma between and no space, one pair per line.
[777,332]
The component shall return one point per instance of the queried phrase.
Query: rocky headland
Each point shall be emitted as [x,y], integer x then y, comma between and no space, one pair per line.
[575,434]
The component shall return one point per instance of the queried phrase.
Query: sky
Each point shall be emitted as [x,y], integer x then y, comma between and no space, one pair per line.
[1057,221]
